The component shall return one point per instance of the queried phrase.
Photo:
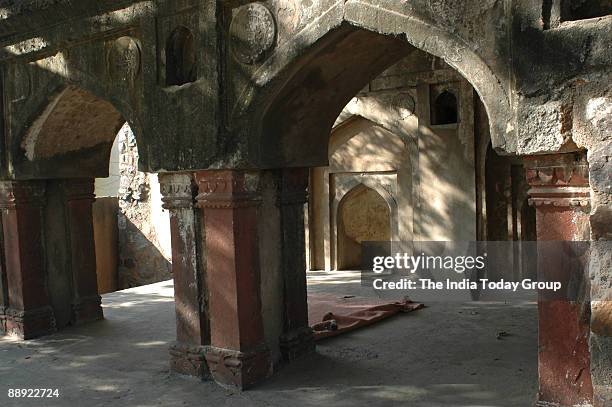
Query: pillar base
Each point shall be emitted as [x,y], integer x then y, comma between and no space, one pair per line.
[87,310]
[30,324]
[548,404]
[189,360]
[238,369]
[297,343]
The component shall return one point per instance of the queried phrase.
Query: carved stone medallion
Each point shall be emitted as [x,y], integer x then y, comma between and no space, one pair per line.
[124,59]
[252,32]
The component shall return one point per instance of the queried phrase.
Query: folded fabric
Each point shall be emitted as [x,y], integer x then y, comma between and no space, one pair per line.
[335,324]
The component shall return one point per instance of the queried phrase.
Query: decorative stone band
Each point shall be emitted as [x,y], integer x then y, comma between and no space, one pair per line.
[79,189]
[559,196]
[176,190]
[15,193]
[240,369]
[558,180]
[225,189]
[557,170]
[189,360]
[293,186]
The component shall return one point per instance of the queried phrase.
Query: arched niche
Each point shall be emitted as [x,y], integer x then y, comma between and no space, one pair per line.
[180,57]
[363,215]
[445,109]
[71,137]
[361,151]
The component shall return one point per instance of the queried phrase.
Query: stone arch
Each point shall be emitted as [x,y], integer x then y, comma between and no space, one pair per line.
[74,127]
[392,167]
[180,57]
[310,78]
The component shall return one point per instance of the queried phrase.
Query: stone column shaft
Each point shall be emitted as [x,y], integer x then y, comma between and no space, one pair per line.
[297,338]
[29,314]
[79,197]
[192,328]
[238,355]
[3,283]
[559,191]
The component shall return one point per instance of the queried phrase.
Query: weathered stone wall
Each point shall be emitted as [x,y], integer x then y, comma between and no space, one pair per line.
[131,227]
[144,245]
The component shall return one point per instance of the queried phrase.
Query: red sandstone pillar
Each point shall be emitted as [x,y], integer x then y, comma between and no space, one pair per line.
[192,330]
[297,338]
[78,198]
[238,355]
[28,314]
[560,194]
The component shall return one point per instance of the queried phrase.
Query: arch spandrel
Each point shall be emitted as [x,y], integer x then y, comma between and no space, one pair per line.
[277,87]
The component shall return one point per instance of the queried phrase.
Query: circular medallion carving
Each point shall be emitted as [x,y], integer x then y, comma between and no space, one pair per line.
[403,104]
[124,59]
[252,32]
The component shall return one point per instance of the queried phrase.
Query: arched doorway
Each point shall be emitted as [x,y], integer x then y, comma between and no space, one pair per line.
[363,215]
[349,62]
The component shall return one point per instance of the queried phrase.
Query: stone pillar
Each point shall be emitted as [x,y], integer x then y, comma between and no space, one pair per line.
[559,191]
[192,329]
[3,284]
[28,314]
[297,338]
[229,199]
[78,199]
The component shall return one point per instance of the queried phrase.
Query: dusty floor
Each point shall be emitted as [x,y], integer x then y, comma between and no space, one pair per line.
[444,355]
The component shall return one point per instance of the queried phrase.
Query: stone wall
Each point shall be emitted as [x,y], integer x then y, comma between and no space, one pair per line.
[144,235]
[131,227]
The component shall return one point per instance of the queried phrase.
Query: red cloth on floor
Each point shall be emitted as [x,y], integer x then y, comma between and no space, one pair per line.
[335,324]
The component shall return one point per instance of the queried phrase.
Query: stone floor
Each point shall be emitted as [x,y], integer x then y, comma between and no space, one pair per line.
[444,355]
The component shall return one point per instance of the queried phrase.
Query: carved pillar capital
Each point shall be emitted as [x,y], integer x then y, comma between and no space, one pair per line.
[15,193]
[293,186]
[176,190]
[78,189]
[558,180]
[227,189]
